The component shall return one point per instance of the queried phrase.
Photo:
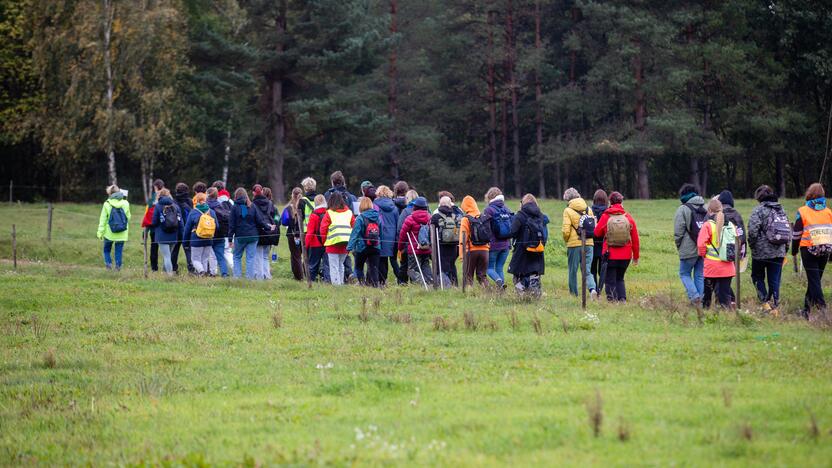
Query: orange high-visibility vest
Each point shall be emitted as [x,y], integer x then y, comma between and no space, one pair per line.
[817,226]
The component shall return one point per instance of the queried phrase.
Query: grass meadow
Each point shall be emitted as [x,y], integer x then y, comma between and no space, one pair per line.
[103,368]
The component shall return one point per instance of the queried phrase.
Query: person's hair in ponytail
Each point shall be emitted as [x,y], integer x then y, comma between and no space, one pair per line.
[240,193]
[294,200]
[715,208]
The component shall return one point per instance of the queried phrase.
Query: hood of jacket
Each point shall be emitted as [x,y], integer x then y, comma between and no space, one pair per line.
[117,196]
[697,201]
[531,210]
[818,204]
[386,204]
[260,200]
[421,216]
[370,215]
[598,210]
[400,202]
[469,206]
[615,210]
[578,204]
[497,203]
[772,204]
[162,201]
[183,197]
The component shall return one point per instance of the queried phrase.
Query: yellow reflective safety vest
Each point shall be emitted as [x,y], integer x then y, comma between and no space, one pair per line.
[726,250]
[339,227]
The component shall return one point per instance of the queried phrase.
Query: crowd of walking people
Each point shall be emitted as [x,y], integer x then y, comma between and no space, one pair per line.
[387,235]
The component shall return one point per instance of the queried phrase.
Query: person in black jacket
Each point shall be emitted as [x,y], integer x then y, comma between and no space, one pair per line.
[529,234]
[268,237]
[182,198]
[244,229]
[600,203]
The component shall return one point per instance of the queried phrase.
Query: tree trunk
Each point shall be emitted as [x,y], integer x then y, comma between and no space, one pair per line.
[642,173]
[511,54]
[558,180]
[749,173]
[278,117]
[227,157]
[704,177]
[492,103]
[392,97]
[503,143]
[695,173]
[538,95]
[145,186]
[109,14]
[780,175]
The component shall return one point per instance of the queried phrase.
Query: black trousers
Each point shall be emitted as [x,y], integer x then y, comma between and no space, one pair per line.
[403,277]
[710,289]
[370,257]
[814,267]
[616,289]
[385,264]
[722,288]
[597,261]
[448,254]
[318,264]
[154,251]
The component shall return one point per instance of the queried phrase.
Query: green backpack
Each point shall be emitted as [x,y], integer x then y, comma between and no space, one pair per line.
[728,247]
[449,228]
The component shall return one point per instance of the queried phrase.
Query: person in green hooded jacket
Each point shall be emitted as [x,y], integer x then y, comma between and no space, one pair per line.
[113,225]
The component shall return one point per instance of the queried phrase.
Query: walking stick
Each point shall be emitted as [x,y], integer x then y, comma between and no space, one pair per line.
[583,269]
[418,265]
[439,262]
[464,260]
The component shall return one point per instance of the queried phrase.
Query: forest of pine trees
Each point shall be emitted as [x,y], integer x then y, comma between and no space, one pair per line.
[531,95]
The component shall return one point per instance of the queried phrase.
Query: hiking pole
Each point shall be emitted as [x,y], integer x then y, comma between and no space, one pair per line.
[464,260]
[14,246]
[418,265]
[439,262]
[434,254]
[583,269]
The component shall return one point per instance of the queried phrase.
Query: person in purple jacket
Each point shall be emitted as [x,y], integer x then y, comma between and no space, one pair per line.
[500,218]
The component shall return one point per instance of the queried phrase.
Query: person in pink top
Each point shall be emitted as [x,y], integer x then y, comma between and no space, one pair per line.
[720,272]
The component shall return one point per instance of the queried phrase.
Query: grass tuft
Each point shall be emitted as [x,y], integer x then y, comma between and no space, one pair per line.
[400,318]
[727,397]
[49,360]
[513,320]
[814,429]
[595,411]
[623,430]
[470,321]
[537,324]
[441,323]
[277,319]
[746,431]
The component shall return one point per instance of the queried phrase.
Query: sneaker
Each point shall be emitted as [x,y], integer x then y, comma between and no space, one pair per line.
[593,295]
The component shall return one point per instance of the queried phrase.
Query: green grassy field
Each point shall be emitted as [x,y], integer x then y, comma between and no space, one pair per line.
[103,368]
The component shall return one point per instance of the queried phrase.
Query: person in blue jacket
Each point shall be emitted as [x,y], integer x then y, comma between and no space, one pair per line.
[243,232]
[388,214]
[221,234]
[202,250]
[364,243]
[167,228]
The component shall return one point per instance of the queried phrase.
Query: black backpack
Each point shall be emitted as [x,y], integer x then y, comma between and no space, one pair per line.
[535,233]
[698,217]
[480,230]
[223,212]
[170,219]
[586,224]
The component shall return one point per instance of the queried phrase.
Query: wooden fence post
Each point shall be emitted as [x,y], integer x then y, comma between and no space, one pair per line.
[145,235]
[49,223]
[14,245]
[583,269]
[11,192]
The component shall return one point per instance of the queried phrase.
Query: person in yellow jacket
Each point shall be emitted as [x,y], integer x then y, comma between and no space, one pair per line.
[576,210]
[113,225]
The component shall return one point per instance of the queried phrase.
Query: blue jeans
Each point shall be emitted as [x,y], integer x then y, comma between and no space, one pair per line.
[219,251]
[108,247]
[496,265]
[249,246]
[692,273]
[574,260]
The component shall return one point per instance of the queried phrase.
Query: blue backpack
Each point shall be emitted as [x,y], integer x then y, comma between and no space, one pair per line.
[423,239]
[501,223]
[118,219]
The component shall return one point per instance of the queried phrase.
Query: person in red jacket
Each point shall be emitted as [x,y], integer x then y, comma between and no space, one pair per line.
[409,239]
[314,242]
[621,245]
